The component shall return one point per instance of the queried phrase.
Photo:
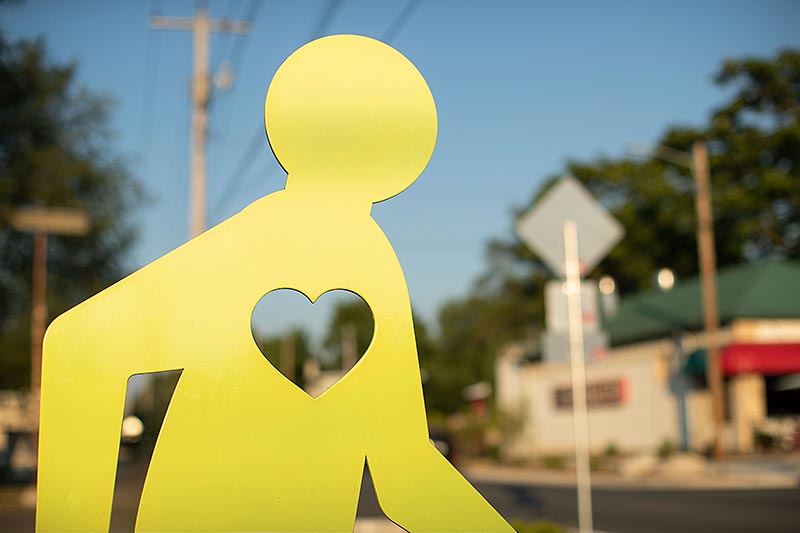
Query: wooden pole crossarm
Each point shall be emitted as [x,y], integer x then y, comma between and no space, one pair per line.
[187,24]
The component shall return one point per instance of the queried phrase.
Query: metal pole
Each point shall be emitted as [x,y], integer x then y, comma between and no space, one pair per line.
[41,221]
[200,25]
[580,419]
[708,267]
[38,320]
[680,386]
[200,95]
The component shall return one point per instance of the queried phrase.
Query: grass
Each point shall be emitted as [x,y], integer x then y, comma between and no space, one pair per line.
[554,462]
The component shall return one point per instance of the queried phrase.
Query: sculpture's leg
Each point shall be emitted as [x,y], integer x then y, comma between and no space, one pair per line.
[83,396]
[421,491]
[89,354]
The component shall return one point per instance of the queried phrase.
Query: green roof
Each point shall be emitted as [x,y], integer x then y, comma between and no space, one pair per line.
[769,289]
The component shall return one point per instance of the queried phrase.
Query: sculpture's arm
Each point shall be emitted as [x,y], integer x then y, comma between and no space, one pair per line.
[89,354]
[421,491]
[416,486]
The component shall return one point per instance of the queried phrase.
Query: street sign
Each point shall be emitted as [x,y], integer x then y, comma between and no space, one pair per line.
[571,232]
[556,316]
[53,220]
[555,347]
[42,221]
[541,228]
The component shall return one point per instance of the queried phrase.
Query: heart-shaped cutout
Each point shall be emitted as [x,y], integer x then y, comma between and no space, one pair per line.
[313,345]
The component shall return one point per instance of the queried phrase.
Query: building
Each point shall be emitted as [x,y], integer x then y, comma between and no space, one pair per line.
[649,390]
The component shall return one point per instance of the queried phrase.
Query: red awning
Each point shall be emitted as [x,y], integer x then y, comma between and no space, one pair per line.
[767,359]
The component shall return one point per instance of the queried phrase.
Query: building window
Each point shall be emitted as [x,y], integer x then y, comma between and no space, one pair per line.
[598,394]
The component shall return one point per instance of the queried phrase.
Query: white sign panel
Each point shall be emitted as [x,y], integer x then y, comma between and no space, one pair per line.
[55,220]
[542,228]
[555,347]
[555,306]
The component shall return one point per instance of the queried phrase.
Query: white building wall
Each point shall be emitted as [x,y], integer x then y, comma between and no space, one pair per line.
[644,418]
[649,414]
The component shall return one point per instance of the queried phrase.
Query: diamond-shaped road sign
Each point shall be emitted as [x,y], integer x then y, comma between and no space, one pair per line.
[542,228]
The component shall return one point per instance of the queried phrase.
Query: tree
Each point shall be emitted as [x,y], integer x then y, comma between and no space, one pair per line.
[442,376]
[754,143]
[271,347]
[55,150]
[350,317]
[470,331]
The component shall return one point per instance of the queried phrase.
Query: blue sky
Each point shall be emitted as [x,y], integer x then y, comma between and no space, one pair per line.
[520,87]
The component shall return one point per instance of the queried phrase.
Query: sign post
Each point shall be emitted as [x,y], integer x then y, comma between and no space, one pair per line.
[580,419]
[40,222]
[571,232]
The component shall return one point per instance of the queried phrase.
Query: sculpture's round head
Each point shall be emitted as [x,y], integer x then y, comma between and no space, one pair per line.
[350,114]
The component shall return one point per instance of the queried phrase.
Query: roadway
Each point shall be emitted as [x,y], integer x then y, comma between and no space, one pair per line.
[617,510]
[641,510]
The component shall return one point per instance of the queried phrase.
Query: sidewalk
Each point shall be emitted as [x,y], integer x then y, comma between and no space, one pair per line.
[376,525]
[732,473]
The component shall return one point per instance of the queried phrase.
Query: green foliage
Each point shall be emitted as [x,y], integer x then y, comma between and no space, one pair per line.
[509,423]
[299,342]
[442,384]
[754,145]
[554,462]
[457,362]
[55,151]
[611,450]
[350,318]
[666,449]
[470,331]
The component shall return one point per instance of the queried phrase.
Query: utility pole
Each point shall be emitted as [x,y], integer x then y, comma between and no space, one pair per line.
[200,25]
[287,356]
[40,222]
[708,276]
[349,346]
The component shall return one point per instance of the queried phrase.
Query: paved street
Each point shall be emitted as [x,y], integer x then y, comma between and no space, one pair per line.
[618,510]
[656,510]
[649,510]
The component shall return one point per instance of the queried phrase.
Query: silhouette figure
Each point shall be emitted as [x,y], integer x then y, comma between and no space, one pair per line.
[242,448]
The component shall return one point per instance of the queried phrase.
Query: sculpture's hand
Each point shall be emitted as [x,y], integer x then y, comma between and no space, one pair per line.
[421,491]
[89,354]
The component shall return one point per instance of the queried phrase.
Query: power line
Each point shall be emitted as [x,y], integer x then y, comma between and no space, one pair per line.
[249,15]
[200,25]
[250,154]
[226,37]
[149,85]
[257,141]
[235,50]
[325,19]
[253,149]
[400,21]
[179,141]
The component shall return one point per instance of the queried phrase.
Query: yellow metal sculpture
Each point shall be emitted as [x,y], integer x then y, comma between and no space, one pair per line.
[242,448]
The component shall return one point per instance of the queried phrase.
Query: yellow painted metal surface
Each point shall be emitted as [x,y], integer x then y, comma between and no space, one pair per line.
[242,448]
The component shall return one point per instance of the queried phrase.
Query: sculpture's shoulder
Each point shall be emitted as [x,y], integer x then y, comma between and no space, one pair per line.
[198,261]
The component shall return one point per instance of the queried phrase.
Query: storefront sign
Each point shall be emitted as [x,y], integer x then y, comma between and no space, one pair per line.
[598,394]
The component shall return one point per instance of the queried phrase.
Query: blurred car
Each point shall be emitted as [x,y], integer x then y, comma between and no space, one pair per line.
[442,441]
